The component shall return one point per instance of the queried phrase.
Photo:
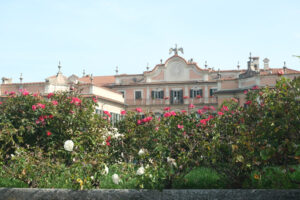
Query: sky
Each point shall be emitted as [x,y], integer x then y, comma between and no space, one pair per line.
[98,35]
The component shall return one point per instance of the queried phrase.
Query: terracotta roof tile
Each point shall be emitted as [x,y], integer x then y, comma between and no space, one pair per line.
[276,70]
[99,80]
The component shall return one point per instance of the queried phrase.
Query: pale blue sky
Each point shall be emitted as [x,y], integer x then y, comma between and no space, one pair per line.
[98,35]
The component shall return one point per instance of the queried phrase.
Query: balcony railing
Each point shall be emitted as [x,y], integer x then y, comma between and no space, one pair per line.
[138,102]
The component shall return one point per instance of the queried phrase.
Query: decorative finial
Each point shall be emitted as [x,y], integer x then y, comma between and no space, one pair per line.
[117,70]
[250,56]
[160,61]
[59,66]
[238,65]
[205,64]
[284,66]
[91,78]
[147,67]
[83,73]
[175,50]
[21,78]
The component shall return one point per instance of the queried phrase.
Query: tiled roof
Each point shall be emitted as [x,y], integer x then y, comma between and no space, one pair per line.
[276,70]
[26,83]
[99,80]
[102,97]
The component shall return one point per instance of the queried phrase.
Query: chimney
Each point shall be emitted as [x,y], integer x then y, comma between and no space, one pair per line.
[266,64]
[6,80]
[255,63]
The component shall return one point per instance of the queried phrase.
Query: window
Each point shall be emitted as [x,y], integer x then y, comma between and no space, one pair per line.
[195,92]
[212,91]
[138,94]
[157,94]
[176,97]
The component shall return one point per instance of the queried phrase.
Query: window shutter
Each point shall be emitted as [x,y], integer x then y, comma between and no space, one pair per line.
[171,100]
[201,93]
[181,96]
[162,94]
[191,93]
[152,94]
[211,92]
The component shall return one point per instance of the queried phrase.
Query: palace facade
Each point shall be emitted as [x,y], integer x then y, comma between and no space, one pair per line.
[176,83]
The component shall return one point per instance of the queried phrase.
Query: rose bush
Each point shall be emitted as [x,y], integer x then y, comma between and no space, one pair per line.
[39,135]
[60,129]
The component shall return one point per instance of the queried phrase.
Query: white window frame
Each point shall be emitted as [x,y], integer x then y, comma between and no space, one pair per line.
[141,94]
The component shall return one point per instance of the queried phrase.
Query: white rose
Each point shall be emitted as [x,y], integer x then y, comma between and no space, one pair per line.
[115,129]
[171,161]
[116,179]
[118,135]
[69,145]
[140,171]
[141,152]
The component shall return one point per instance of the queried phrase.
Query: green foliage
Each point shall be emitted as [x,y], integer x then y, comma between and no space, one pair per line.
[274,177]
[238,143]
[201,178]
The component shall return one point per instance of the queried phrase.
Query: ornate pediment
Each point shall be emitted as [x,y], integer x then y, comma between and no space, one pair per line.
[175,69]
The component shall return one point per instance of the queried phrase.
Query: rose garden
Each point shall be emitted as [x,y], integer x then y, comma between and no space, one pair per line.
[60,142]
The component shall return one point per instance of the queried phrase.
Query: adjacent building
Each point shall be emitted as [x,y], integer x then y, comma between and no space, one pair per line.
[108,100]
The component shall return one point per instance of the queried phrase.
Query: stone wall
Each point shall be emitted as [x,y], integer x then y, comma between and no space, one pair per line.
[105,194]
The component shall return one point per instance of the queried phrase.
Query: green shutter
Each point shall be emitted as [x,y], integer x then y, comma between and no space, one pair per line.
[181,96]
[191,93]
[210,92]
[162,94]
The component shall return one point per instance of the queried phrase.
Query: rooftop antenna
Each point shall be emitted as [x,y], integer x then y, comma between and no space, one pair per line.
[117,70]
